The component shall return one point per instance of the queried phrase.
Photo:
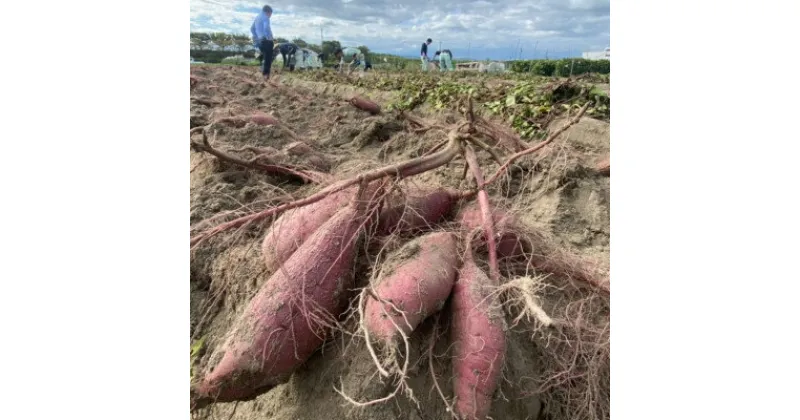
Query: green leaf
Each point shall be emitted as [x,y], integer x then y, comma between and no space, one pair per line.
[511,100]
[196,346]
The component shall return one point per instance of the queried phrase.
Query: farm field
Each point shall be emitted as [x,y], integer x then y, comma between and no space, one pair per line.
[543,283]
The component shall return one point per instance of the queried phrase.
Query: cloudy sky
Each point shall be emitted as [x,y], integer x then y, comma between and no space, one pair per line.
[496,29]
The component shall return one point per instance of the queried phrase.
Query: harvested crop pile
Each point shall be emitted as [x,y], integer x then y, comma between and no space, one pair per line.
[448,269]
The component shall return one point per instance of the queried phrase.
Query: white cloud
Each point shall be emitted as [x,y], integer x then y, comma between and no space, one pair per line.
[488,27]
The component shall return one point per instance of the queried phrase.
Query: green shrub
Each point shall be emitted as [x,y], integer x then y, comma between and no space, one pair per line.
[562,67]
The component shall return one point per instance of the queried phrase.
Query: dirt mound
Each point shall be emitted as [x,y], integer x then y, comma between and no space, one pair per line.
[558,192]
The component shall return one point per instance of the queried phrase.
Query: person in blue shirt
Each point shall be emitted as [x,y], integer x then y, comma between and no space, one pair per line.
[262,39]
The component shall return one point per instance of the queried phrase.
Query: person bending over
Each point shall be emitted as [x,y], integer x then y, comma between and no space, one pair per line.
[288,52]
[445,60]
[352,56]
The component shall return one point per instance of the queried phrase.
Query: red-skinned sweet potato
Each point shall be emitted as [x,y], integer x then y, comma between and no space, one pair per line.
[419,211]
[603,167]
[365,105]
[417,279]
[280,329]
[292,228]
[259,118]
[478,336]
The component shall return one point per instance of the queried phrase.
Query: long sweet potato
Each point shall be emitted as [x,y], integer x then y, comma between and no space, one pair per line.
[280,328]
[365,105]
[478,336]
[292,228]
[420,210]
[416,279]
[260,118]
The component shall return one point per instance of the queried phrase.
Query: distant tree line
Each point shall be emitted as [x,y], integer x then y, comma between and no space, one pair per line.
[213,47]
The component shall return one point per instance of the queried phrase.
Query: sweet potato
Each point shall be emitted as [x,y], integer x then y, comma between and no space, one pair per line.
[603,167]
[416,279]
[510,244]
[259,118]
[478,336]
[292,228]
[365,105]
[280,328]
[420,210]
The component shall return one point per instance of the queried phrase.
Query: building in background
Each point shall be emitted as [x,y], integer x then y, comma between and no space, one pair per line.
[598,55]
[482,67]
[304,59]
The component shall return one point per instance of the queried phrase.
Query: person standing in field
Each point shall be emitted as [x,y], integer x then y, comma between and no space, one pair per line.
[263,40]
[423,54]
[445,60]
[353,54]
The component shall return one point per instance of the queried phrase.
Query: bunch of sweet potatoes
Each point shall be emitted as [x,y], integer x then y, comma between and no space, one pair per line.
[310,252]
[285,323]
[428,272]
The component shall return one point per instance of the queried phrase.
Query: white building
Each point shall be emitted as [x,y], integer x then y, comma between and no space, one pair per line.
[598,55]
[482,67]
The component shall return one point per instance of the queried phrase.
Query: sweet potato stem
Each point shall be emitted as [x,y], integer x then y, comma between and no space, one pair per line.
[539,146]
[253,164]
[400,170]
[486,212]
